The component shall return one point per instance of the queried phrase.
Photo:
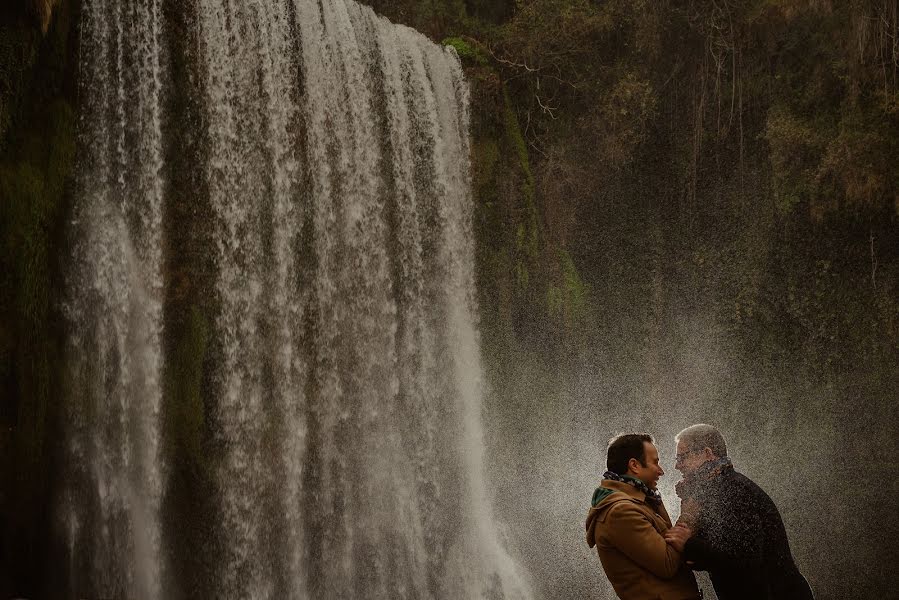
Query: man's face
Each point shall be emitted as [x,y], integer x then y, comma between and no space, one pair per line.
[687,459]
[653,470]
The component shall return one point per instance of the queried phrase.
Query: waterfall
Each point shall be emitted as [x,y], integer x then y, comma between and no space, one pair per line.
[344,435]
[115,307]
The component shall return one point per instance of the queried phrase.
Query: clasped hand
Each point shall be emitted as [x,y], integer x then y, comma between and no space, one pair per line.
[677,536]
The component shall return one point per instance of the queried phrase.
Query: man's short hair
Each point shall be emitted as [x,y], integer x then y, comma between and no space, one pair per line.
[701,436]
[624,447]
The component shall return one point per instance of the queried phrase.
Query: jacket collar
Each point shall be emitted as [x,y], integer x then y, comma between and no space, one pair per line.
[620,486]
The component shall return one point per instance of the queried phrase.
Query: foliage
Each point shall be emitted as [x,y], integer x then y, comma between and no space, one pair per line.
[466,50]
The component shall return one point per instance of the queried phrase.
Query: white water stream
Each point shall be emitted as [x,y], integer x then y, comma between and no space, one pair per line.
[347,412]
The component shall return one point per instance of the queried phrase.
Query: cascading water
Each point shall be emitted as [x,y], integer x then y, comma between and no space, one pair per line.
[116,308]
[345,401]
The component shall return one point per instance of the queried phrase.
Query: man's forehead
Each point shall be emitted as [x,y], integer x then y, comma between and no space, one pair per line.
[650,447]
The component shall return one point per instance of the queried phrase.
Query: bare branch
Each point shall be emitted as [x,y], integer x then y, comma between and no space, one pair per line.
[510,63]
[550,110]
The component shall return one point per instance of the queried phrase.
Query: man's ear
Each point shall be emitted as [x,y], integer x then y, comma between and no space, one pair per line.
[632,464]
[709,455]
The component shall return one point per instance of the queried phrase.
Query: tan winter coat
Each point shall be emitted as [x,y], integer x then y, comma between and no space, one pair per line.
[627,532]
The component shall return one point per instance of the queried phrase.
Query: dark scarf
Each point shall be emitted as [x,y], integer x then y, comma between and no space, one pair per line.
[651,495]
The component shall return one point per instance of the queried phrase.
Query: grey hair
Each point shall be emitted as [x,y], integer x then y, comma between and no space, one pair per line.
[701,436]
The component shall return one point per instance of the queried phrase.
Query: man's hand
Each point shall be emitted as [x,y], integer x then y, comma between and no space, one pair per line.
[677,536]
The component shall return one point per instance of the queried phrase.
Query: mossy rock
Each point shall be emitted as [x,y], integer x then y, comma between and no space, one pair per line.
[568,298]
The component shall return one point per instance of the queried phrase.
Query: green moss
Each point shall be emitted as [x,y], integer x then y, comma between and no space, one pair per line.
[486,157]
[466,51]
[515,137]
[522,277]
[568,299]
[527,234]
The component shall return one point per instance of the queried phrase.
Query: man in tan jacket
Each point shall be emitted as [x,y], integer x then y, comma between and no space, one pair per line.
[627,522]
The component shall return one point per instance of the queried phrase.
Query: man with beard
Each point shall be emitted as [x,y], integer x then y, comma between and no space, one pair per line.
[627,521]
[738,534]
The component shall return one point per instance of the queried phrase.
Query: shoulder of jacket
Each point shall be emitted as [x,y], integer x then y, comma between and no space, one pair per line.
[625,504]
[631,512]
[749,487]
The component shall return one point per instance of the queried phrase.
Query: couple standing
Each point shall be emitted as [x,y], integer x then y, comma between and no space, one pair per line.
[728,525]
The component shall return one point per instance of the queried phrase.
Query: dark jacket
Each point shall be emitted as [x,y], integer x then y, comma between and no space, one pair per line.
[739,538]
